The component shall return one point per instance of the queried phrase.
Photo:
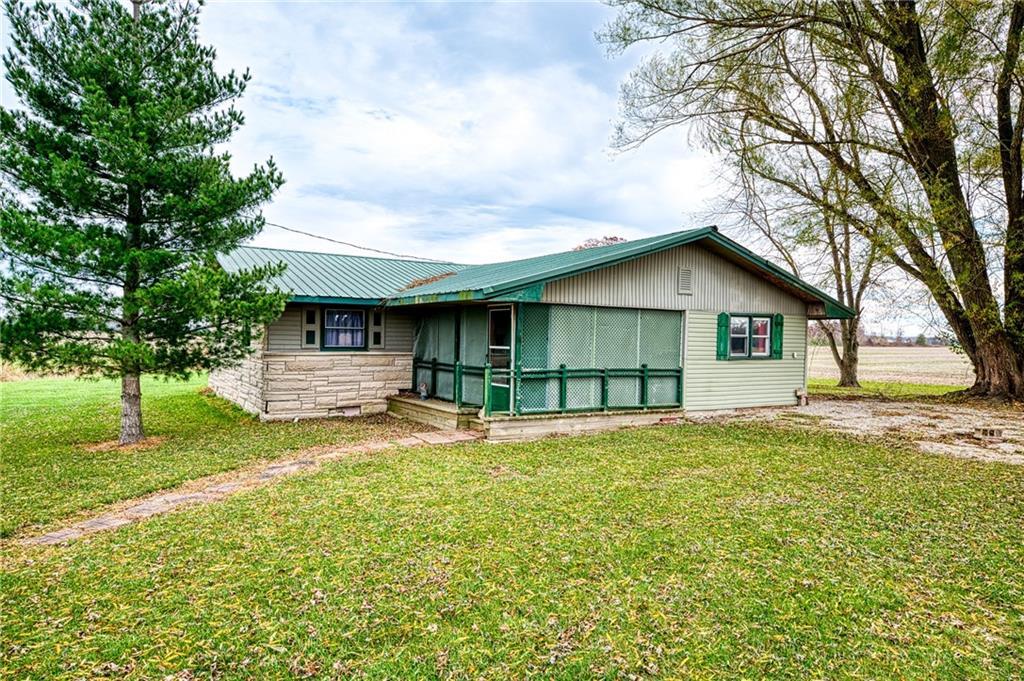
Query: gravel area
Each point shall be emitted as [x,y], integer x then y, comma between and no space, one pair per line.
[971,432]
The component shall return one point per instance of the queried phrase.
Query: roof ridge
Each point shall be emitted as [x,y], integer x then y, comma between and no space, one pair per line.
[351,255]
[624,244]
[597,249]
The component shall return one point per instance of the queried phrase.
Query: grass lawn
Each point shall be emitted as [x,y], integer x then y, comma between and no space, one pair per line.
[48,469]
[828,387]
[692,551]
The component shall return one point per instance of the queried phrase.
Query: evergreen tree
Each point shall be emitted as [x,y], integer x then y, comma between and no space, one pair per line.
[116,201]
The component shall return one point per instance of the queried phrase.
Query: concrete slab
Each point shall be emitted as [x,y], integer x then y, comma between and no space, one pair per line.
[434,438]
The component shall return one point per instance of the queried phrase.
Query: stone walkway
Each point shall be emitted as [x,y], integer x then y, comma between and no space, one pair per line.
[215,488]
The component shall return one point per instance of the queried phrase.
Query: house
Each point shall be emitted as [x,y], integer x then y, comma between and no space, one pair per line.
[621,334]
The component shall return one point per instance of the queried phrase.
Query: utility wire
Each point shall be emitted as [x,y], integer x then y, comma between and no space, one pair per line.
[349,244]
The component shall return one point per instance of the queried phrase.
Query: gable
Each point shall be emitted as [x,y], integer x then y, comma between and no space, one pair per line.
[659,281]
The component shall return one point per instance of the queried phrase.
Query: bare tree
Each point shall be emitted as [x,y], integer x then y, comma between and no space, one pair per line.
[816,245]
[919,107]
[597,243]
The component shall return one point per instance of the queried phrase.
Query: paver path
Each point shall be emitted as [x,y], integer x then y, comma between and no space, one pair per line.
[215,488]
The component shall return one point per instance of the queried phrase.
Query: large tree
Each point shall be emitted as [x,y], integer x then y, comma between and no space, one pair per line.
[116,202]
[817,245]
[919,106]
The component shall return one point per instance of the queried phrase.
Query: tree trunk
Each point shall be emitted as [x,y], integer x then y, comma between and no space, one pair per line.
[846,360]
[848,364]
[999,370]
[848,368]
[131,410]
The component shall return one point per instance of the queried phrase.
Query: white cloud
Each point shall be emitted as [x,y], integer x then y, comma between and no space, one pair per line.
[395,133]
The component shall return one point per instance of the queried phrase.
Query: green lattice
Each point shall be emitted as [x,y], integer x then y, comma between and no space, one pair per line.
[596,338]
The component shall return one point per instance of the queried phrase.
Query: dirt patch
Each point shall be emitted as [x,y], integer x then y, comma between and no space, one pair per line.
[970,450]
[112,445]
[933,427]
[502,471]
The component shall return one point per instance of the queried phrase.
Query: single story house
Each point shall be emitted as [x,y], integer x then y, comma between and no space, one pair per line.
[620,334]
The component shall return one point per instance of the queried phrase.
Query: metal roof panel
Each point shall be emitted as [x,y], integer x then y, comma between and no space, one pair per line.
[329,275]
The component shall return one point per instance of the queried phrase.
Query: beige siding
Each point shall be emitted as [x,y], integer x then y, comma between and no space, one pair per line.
[285,333]
[709,383]
[399,330]
[652,282]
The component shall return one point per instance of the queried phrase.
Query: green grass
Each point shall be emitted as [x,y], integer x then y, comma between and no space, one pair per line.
[48,470]
[827,387]
[681,551]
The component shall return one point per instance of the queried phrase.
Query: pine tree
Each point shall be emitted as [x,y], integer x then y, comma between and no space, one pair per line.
[116,199]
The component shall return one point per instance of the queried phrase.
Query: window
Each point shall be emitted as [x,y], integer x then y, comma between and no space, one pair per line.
[310,328]
[760,337]
[747,336]
[739,336]
[344,328]
[377,329]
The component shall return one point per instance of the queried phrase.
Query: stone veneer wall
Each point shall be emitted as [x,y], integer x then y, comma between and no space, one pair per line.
[242,384]
[319,384]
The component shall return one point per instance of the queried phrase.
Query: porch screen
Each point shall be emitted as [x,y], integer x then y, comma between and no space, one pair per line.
[435,338]
[473,351]
[597,338]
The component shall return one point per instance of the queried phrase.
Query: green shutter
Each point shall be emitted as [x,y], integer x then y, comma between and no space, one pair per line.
[777,337]
[723,336]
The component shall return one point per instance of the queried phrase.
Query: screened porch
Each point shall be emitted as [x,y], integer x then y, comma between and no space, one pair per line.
[532,358]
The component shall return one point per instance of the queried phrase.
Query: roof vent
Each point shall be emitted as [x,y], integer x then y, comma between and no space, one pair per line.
[684,282]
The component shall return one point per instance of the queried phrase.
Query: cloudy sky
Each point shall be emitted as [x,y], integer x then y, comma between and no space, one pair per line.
[470,132]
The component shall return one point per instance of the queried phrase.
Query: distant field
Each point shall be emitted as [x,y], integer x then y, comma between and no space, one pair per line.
[935,366]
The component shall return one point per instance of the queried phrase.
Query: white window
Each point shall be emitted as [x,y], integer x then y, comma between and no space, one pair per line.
[344,328]
[310,327]
[760,336]
[739,336]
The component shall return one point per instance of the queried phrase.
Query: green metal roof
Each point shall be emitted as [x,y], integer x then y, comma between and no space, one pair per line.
[524,279]
[330,277]
[505,277]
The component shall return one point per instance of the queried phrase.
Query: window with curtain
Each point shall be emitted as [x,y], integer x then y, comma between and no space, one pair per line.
[739,330]
[749,336]
[760,336]
[344,328]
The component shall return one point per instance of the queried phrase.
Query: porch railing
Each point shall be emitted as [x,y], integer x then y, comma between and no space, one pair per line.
[551,390]
[450,380]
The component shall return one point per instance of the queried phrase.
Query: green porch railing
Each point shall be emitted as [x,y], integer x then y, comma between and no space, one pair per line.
[565,390]
[432,371]
[553,390]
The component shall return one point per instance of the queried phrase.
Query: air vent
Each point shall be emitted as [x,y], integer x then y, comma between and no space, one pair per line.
[685,281]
